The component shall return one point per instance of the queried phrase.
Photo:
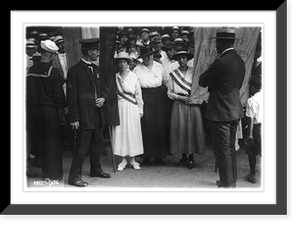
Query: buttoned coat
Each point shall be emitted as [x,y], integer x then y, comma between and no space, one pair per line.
[83,87]
[224,79]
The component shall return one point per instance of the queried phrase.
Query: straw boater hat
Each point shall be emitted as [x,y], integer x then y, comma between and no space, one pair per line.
[145,30]
[58,39]
[30,43]
[185,32]
[49,46]
[179,41]
[183,52]
[123,55]
[147,50]
[152,34]
[225,33]
[175,28]
[165,37]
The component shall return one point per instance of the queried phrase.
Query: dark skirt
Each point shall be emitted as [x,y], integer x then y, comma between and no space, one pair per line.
[153,123]
[187,131]
[255,149]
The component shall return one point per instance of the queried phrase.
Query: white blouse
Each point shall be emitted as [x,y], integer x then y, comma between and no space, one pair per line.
[175,88]
[131,85]
[153,78]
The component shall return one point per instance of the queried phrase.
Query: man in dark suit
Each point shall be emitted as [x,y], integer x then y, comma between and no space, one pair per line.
[86,96]
[224,79]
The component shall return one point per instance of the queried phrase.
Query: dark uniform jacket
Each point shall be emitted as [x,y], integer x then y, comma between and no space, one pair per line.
[83,87]
[44,86]
[224,79]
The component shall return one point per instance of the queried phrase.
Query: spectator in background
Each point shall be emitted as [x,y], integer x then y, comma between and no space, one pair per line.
[254,113]
[166,40]
[175,32]
[124,41]
[156,45]
[185,35]
[179,43]
[144,34]
[60,60]
[30,50]
[135,61]
[169,64]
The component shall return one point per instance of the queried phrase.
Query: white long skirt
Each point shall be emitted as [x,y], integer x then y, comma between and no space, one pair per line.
[127,137]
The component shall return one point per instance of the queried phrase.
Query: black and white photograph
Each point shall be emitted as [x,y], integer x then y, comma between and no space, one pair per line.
[148,112]
[144,107]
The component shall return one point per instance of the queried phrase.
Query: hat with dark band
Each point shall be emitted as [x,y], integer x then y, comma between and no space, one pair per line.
[30,44]
[90,44]
[180,52]
[123,55]
[165,37]
[144,30]
[147,50]
[225,33]
[58,39]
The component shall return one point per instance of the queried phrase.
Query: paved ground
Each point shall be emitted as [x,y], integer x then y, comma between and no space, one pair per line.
[169,176]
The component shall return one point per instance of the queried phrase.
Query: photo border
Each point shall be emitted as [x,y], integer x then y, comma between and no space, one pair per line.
[279,208]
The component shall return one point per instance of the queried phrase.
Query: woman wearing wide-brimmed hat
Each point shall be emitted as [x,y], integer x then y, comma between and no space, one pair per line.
[152,77]
[187,132]
[127,137]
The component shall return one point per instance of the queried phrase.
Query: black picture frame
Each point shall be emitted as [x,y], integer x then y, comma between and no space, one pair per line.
[279,208]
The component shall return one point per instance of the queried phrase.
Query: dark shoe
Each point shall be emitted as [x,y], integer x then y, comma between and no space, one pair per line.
[220,185]
[29,173]
[78,183]
[251,178]
[102,175]
[182,162]
[191,164]
[159,161]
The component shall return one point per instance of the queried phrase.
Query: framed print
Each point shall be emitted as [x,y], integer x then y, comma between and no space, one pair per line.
[163,184]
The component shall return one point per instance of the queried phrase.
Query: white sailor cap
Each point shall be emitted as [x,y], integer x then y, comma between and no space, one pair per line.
[49,46]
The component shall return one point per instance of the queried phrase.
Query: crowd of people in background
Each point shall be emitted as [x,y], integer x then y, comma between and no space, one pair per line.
[154,76]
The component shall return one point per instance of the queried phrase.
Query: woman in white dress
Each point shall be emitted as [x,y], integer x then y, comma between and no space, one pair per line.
[127,137]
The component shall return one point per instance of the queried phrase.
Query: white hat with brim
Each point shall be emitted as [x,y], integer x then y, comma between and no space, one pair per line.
[123,55]
[49,46]
[189,56]
[30,44]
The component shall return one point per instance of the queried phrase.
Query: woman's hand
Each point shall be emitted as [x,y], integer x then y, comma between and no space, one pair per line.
[185,100]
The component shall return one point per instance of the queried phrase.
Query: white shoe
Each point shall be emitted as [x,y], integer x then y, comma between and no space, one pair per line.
[121,166]
[135,166]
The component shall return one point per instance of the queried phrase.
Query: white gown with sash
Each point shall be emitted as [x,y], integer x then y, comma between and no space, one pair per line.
[127,137]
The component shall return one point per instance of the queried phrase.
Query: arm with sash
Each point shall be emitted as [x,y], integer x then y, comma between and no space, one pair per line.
[181,82]
[122,92]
